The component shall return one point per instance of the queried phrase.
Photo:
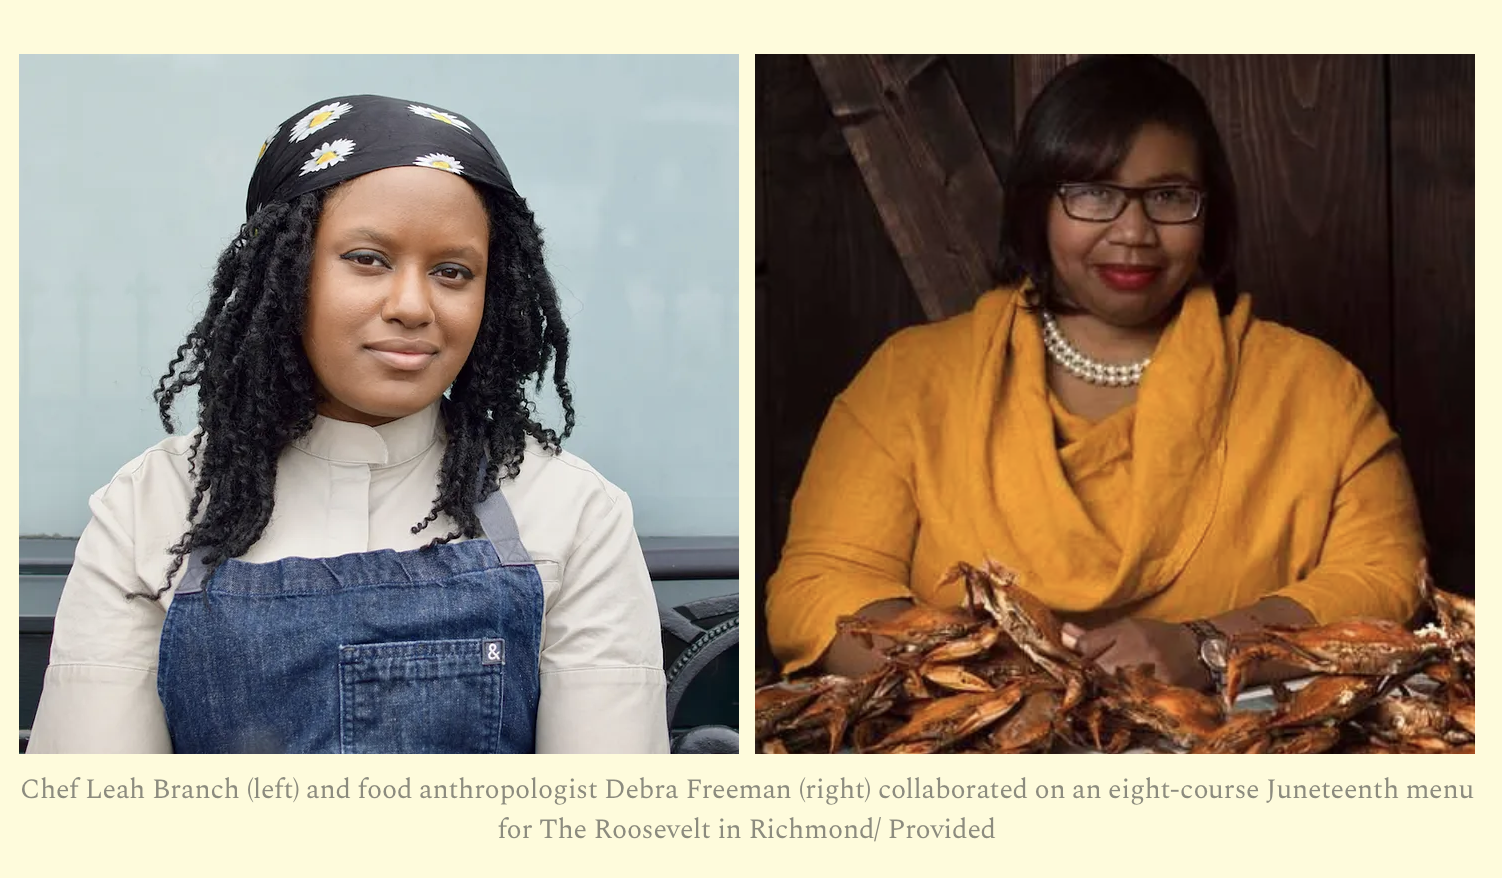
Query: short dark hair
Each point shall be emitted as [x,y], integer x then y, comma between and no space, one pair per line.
[1079,129]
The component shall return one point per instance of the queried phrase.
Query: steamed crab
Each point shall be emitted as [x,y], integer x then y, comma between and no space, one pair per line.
[1456,614]
[1027,621]
[1031,727]
[1364,647]
[945,721]
[1183,716]
[1417,721]
[791,715]
[929,643]
[917,629]
[1326,701]
[994,676]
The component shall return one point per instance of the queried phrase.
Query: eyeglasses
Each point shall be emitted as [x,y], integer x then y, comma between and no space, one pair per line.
[1104,202]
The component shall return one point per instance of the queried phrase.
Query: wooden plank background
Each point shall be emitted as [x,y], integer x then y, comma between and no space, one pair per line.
[1356,178]
[829,286]
[1432,113]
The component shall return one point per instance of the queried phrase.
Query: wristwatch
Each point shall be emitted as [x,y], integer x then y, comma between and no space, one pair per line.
[1212,650]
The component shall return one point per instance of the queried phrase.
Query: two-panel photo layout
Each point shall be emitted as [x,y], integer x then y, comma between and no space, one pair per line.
[1115,404]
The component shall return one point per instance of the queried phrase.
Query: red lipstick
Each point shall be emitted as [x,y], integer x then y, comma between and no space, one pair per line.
[1127,277]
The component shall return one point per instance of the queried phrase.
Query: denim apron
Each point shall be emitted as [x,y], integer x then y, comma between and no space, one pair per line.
[432,650]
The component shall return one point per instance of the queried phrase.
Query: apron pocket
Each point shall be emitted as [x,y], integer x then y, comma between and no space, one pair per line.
[426,696]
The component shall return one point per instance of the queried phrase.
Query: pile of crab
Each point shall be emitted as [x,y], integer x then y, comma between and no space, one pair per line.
[996,677]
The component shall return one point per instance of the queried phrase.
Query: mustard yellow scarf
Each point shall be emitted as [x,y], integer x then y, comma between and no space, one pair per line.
[1173,439]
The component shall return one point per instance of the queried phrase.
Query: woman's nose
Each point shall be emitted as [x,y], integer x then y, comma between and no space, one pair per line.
[408,299]
[1133,228]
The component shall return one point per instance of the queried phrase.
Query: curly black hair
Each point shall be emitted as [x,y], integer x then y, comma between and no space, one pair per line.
[257,389]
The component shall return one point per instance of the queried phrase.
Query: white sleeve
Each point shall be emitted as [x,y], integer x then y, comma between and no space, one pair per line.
[99,695]
[602,686]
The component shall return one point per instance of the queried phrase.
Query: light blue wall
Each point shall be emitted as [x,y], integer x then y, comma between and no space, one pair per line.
[133,176]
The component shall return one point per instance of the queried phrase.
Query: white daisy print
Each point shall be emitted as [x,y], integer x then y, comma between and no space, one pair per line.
[317,120]
[440,161]
[441,116]
[267,142]
[328,154]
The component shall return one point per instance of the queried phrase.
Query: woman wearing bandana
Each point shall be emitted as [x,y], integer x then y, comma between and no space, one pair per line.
[370,544]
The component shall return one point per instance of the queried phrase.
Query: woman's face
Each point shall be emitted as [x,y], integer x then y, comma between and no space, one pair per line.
[1127,272]
[396,292]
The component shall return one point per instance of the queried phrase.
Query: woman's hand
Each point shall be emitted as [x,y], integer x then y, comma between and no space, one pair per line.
[1171,649]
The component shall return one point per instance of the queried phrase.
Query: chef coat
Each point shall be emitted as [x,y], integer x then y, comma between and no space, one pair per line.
[346,488]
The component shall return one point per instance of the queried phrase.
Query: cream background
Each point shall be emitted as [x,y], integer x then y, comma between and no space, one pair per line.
[257,837]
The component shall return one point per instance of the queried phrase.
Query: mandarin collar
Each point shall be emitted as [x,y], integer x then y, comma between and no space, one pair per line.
[387,445]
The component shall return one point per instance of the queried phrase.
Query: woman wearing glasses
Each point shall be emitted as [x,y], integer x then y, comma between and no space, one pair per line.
[1159,466]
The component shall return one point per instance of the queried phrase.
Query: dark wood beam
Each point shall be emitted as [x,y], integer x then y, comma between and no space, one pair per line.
[926,167]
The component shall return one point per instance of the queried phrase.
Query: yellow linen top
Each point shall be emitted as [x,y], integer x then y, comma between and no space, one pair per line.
[1255,462]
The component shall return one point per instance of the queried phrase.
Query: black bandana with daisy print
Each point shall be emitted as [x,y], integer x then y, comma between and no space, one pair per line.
[341,138]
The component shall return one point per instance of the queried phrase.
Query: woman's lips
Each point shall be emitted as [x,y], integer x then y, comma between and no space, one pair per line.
[1127,277]
[406,361]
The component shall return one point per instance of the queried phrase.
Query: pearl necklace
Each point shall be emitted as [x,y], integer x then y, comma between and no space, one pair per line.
[1083,367]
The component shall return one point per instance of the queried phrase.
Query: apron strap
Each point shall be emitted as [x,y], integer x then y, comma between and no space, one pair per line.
[192,581]
[500,528]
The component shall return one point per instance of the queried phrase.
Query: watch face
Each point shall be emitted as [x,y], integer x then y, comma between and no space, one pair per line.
[1213,653]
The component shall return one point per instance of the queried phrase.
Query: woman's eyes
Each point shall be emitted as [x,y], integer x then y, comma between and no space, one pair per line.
[1168,195]
[1177,195]
[364,257]
[447,271]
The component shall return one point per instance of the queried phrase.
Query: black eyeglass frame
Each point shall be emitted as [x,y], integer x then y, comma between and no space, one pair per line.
[1133,193]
